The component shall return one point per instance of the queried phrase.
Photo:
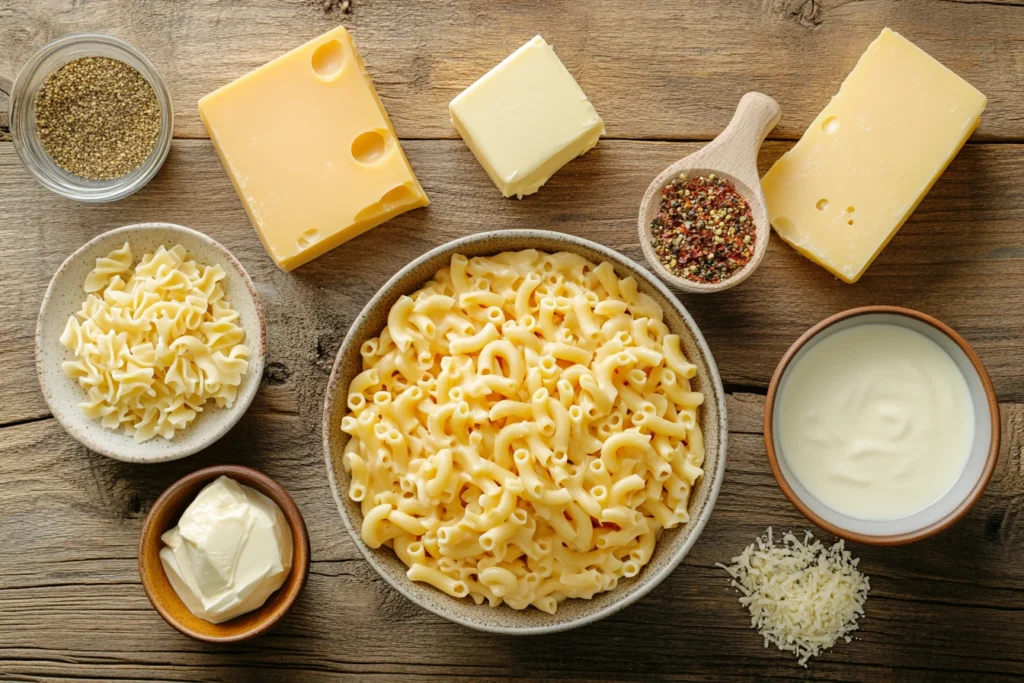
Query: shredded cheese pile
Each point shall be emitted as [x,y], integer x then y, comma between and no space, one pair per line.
[802,596]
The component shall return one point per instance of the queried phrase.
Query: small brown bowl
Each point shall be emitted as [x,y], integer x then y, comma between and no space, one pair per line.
[166,512]
[981,462]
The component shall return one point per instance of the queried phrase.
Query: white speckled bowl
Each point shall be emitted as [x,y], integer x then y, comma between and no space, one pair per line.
[673,545]
[64,297]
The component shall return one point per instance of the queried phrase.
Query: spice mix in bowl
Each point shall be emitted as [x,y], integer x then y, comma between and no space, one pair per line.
[704,230]
[703,225]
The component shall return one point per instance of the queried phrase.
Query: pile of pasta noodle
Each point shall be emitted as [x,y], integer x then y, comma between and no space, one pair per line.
[523,429]
[152,345]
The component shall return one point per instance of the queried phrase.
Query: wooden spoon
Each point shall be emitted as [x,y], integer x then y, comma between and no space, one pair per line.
[733,156]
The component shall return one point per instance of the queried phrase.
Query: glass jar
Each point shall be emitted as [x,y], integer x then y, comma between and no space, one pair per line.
[22,94]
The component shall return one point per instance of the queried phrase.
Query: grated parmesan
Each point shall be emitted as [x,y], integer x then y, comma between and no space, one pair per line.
[802,596]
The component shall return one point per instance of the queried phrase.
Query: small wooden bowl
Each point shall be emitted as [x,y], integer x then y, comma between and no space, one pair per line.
[733,156]
[166,512]
[955,502]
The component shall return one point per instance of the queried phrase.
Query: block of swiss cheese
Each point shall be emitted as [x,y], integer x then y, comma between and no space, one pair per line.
[310,149]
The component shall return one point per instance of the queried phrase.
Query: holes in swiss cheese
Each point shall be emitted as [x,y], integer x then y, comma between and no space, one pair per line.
[397,196]
[308,238]
[328,59]
[368,147]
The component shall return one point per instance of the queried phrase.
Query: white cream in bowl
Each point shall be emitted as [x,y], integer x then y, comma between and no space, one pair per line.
[876,421]
[881,425]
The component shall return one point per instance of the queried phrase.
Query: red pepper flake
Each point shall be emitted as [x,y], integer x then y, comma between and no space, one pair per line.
[704,230]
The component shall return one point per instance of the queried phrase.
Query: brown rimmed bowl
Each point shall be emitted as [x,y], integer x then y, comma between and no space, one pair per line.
[166,512]
[981,462]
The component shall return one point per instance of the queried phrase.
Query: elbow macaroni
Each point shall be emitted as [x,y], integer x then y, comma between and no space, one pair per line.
[153,344]
[523,429]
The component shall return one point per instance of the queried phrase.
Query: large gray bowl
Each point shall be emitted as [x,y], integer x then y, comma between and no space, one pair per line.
[673,545]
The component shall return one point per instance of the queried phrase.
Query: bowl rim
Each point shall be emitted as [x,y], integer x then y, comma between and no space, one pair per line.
[889,539]
[698,523]
[300,542]
[256,360]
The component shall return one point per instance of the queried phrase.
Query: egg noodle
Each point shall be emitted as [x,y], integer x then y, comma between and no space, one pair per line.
[152,345]
[523,429]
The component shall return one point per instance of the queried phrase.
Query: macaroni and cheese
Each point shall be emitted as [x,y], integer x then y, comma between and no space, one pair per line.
[523,429]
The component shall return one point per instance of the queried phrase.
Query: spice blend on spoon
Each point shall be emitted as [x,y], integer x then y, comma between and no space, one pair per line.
[97,117]
[704,230]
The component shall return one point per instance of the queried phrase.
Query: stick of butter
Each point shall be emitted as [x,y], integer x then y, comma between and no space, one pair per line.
[871,156]
[310,149]
[525,119]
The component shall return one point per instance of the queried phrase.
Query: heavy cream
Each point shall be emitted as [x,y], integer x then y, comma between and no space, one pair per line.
[875,421]
[231,550]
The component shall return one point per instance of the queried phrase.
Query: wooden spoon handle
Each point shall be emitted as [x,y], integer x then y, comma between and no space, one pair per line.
[735,149]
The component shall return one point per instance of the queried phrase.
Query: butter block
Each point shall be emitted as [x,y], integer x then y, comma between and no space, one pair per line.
[310,150]
[525,119]
[870,156]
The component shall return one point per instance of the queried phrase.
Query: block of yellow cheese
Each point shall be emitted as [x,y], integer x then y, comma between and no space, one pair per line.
[872,154]
[310,149]
[525,119]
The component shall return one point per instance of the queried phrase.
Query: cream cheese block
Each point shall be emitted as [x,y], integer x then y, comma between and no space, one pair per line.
[229,552]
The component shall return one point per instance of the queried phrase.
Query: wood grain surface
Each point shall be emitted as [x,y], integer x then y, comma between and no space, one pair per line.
[663,75]
[654,69]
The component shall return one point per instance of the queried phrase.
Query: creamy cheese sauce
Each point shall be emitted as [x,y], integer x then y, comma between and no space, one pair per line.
[875,421]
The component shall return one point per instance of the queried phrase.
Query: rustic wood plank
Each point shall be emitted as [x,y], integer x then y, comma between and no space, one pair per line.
[71,604]
[967,272]
[654,70]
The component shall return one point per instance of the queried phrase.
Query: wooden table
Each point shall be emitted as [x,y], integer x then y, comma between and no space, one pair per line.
[665,76]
